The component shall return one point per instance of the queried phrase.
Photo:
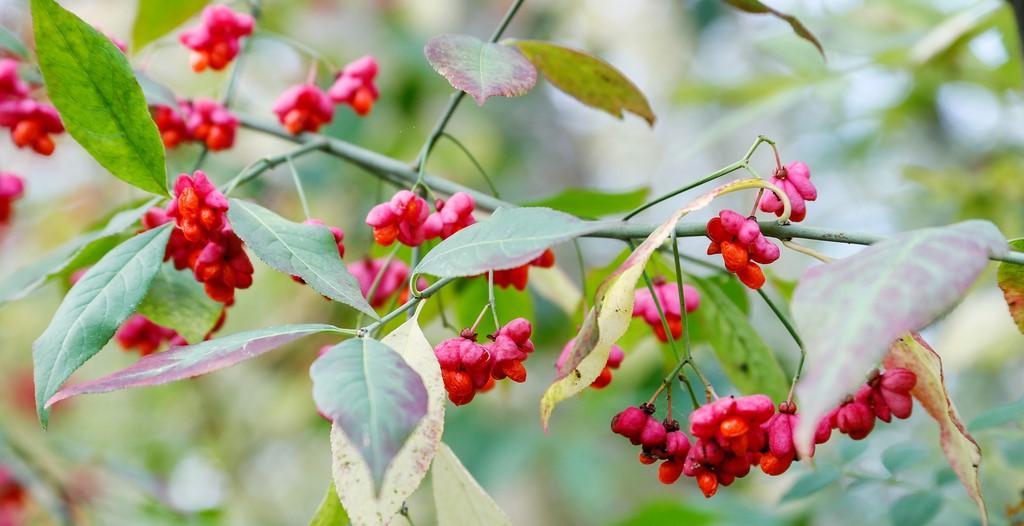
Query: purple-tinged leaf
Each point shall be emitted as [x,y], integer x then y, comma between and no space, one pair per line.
[1011,281]
[911,352]
[190,361]
[850,312]
[481,69]
[373,396]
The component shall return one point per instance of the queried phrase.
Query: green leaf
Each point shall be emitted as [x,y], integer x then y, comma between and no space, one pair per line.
[12,43]
[812,483]
[1011,281]
[481,69]
[901,456]
[190,361]
[758,8]
[851,311]
[509,238]
[373,396]
[669,514]
[93,310]
[918,508]
[306,251]
[65,257]
[999,416]
[330,512]
[582,202]
[92,85]
[747,360]
[586,78]
[458,497]
[156,18]
[177,301]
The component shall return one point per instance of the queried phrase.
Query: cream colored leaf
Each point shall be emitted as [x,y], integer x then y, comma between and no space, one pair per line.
[458,497]
[409,467]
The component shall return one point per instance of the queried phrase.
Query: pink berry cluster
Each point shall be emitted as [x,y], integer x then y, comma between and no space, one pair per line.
[203,120]
[215,41]
[12,187]
[31,122]
[519,276]
[393,278]
[742,245]
[406,217]
[202,239]
[306,107]
[668,297]
[733,434]
[615,357]
[795,181]
[468,367]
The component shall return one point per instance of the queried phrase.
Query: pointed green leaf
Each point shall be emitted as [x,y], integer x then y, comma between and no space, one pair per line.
[812,483]
[93,310]
[155,18]
[1011,281]
[586,78]
[190,361]
[759,8]
[458,497]
[373,396]
[898,457]
[330,512]
[918,508]
[177,301]
[306,251]
[509,238]
[582,202]
[92,85]
[481,69]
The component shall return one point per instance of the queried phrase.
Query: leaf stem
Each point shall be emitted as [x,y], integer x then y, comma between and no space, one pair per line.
[479,167]
[298,188]
[796,247]
[412,302]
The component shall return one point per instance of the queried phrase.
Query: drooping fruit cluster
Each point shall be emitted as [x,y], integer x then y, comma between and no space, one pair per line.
[742,245]
[303,107]
[202,239]
[885,395]
[215,41]
[202,120]
[12,187]
[645,307]
[393,278]
[13,496]
[31,122]
[519,276]
[354,85]
[615,357]
[658,440]
[795,181]
[400,218]
[468,367]
[171,124]
[450,216]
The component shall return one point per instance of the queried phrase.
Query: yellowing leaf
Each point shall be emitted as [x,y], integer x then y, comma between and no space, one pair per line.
[609,318]
[913,353]
[1011,281]
[351,474]
[586,78]
[459,499]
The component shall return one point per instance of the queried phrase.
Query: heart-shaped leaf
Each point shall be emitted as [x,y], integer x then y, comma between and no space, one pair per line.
[1011,281]
[190,361]
[746,359]
[609,318]
[458,496]
[481,69]
[155,18]
[586,78]
[509,238]
[583,202]
[306,251]
[177,301]
[23,281]
[962,452]
[92,85]
[373,397]
[850,312]
[352,476]
[93,310]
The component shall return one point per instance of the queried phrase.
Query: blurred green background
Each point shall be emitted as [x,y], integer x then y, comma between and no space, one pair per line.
[915,119]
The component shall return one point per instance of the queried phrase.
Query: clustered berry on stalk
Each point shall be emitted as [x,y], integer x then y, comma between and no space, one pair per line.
[203,120]
[393,278]
[306,107]
[468,367]
[12,187]
[644,306]
[354,85]
[406,217]
[795,181]
[215,41]
[733,434]
[518,277]
[31,122]
[742,245]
